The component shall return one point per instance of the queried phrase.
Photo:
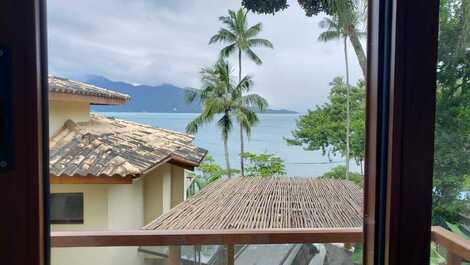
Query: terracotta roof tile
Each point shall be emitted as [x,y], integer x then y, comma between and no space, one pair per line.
[67,86]
[111,147]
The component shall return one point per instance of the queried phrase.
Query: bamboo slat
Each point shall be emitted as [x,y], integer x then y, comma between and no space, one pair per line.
[267,203]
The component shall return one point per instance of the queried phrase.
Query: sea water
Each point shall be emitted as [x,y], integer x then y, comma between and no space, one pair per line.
[267,136]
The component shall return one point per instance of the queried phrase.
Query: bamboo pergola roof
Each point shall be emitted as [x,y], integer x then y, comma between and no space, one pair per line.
[267,203]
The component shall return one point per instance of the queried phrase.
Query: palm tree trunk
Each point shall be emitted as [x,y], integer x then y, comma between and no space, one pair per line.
[242,147]
[361,56]
[348,118]
[227,160]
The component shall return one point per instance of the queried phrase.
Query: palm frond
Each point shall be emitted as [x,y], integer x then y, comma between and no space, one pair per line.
[255,101]
[225,124]
[223,35]
[194,125]
[252,55]
[228,50]
[247,118]
[328,23]
[329,35]
[253,30]
[228,21]
[260,43]
[245,84]
[190,95]
[211,107]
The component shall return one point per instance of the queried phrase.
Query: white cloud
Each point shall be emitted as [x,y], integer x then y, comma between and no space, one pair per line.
[153,42]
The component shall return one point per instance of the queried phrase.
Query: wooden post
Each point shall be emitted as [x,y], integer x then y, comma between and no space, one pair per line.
[453,259]
[174,255]
[230,254]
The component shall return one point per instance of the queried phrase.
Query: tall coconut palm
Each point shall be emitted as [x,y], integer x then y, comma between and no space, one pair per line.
[340,27]
[240,38]
[345,24]
[221,94]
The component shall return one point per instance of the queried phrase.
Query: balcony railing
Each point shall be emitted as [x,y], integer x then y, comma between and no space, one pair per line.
[458,248]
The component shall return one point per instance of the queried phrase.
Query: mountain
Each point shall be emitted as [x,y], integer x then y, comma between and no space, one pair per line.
[145,98]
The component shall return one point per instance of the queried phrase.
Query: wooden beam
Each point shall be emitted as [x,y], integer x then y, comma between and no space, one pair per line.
[90,180]
[453,259]
[206,237]
[187,166]
[230,254]
[453,242]
[174,255]
[56,96]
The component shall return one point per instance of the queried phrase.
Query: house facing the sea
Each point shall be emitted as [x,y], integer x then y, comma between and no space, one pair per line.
[109,174]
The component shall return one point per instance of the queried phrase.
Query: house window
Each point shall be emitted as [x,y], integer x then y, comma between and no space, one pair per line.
[66,208]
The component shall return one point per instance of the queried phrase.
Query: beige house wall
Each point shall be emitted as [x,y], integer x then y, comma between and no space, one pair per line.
[119,207]
[95,217]
[153,190]
[163,189]
[105,207]
[61,111]
[177,185]
[126,212]
[95,206]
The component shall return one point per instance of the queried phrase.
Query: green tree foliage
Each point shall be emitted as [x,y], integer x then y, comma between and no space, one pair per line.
[324,128]
[311,7]
[357,254]
[435,258]
[452,137]
[222,98]
[207,172]
[339,172]
[263,165]
[241,38]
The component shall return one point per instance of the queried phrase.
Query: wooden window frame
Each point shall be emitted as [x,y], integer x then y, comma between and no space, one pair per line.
[402,45]
[401,90]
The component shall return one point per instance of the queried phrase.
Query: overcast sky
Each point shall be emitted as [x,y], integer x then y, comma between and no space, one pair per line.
[166,41]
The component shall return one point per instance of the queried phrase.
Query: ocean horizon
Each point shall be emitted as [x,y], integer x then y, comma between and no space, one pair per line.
[268,136]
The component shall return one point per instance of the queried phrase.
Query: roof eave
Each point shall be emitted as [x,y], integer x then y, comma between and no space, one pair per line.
[92,99]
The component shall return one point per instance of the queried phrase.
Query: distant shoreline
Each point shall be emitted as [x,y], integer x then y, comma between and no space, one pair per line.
[175,112]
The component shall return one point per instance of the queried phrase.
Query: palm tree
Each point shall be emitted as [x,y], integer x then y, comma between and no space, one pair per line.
[341,26]
[345,24]
[240,38]
[220,94]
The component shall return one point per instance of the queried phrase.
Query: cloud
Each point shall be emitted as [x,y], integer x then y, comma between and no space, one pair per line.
[154,42]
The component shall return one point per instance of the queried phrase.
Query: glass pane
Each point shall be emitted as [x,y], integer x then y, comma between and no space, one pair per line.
[208,115]
[66,208]
[451,192]
[285,254]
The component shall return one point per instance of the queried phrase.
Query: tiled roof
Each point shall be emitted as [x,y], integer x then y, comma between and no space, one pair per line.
[67,86]
[267,203]
[111,147]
